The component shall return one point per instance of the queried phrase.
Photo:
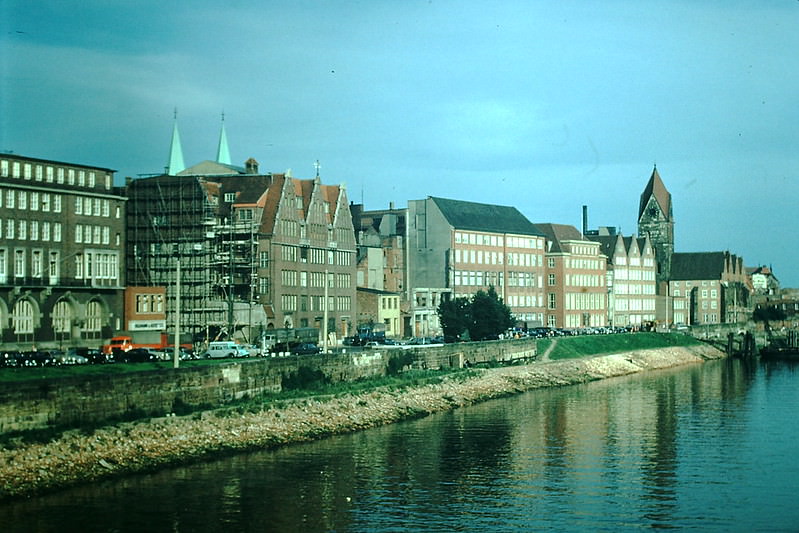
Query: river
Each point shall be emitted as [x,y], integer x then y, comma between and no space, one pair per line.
[712,447]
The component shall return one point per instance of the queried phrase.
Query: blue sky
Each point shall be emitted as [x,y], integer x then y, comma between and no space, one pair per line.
[545,106]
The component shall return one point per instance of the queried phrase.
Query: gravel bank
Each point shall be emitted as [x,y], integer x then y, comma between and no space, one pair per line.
[140,446]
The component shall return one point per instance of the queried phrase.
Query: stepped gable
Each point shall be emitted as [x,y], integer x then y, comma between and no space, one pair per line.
[474,216]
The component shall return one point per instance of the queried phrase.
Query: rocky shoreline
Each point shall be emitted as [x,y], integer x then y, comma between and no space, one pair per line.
[76,458]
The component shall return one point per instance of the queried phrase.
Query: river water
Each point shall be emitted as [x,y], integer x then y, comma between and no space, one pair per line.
[711,447]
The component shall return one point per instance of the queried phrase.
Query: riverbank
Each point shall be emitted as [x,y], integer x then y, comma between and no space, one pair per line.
[128,448]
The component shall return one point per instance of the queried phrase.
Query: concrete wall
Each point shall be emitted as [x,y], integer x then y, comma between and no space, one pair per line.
[92,400]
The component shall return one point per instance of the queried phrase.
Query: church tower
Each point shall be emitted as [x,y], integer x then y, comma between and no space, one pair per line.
[656,220]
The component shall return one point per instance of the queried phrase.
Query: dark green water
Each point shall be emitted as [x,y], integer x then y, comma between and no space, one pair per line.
[711,447]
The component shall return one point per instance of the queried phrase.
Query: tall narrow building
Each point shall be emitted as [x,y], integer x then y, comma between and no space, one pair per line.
[656,221]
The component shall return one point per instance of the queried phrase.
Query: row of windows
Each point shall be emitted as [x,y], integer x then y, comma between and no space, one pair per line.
[635,304]
[703,283]
[293,302]
[635,275]
[584,320]
[479,239]
[585,280]
[30,200]
[97,265]
[24,317]
[94,207]
[50,174]
[89,265]
[585,300]
[313,255]
[86,234]
[390,302]
[479,257]
[33,230]
[635,261]
[633,288]
[584,264]
[36,260]
[149,303]
[525,300]
[292,278]
[713,293]
[584,249]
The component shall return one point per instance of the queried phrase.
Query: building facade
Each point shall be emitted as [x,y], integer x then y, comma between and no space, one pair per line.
[457,248]
[708,288]
[62,232]
[380,307]
[576,279]
[631,279]
[656,221]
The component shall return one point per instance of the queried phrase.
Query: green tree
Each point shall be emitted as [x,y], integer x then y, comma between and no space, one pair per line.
[489,315]
[454,316]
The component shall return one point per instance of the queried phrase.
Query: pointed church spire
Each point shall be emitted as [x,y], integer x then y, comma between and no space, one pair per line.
[222,152]
[175,163]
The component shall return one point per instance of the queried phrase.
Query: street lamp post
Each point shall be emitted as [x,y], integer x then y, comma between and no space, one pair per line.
[176,352]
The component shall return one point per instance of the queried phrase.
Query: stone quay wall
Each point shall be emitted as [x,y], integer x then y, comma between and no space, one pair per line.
[94,400]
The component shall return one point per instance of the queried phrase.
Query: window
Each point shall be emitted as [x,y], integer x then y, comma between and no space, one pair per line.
[56,203]
[551,300]
[3,267]
[22,200]
[94,317]
[56,231]
[36,264]
[22,317]
[52,268]
[46,202]
[551,279]
[92,179]
[230,197]
[78,205]
[263,260]
[19,263]
[551,262]
[62,317]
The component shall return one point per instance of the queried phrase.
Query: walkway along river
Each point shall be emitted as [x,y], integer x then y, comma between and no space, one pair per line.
[136,447]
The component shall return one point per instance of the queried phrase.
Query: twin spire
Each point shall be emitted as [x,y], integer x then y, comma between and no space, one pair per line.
[175,163]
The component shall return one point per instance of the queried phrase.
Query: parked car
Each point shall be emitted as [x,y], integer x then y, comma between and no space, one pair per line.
[137,355]
[36,358]
[305,348]
[10,358]
[94,355]
[69,358]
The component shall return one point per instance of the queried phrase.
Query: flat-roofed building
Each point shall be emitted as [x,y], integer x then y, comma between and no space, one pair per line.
[458,248]
[62,233]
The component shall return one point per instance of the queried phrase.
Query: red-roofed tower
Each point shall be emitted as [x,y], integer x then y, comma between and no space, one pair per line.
[656,220]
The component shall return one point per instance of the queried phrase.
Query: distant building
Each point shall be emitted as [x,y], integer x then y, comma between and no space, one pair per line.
[576,278]
[62,234]
[631,279]
[456,248]
[256,251]
[708,288]
[380,307]
[381,265]
[656,221]
[763,280]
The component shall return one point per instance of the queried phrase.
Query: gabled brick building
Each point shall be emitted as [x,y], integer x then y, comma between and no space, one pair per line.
[576,274]
[708,288]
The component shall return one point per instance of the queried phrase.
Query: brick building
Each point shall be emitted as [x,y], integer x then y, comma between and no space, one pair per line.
[62,234]
[457,248]
[708,288]
[576,274]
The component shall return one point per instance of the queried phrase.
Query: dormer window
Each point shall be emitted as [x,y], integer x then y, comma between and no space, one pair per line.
[230,197]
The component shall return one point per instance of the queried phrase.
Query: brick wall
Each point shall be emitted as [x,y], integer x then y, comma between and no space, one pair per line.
[90,400]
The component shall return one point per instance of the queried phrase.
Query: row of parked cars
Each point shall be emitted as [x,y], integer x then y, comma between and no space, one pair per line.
[40,358]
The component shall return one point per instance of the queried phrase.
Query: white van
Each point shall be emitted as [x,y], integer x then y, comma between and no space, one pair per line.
[226,349]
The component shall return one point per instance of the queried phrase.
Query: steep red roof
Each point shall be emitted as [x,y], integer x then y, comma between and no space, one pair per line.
[655,188]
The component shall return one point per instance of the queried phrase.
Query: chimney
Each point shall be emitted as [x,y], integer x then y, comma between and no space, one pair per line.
[391,206]
[585,219]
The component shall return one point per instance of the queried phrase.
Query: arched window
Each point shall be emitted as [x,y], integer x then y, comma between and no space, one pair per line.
[22,317]
[62,317]
[94,317]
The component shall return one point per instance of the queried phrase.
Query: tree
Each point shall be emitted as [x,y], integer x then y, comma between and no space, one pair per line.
[489,315]
[454,316]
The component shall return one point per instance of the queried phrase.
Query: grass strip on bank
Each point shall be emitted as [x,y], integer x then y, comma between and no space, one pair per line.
[588,345]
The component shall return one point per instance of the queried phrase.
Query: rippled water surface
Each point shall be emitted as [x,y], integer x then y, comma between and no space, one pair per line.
[708,447]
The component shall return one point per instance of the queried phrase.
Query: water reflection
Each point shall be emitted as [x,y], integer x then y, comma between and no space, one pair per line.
[680,449]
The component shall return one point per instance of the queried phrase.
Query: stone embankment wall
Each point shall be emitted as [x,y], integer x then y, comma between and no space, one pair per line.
[77,457]
[92,400]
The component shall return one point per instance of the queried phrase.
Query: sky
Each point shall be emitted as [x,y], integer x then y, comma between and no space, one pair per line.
[544,106]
